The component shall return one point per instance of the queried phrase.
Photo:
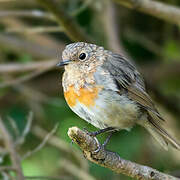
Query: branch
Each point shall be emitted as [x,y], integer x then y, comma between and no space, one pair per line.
[19,45]
[22,79]
[11,149]
[112,160]
[26,13]
[61,145]
[157,9]
[111,28]
[71,28]
[19,67]
[73,169]
[32,30]
[42,144]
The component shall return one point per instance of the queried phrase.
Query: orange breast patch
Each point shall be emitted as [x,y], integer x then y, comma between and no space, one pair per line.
[85,96]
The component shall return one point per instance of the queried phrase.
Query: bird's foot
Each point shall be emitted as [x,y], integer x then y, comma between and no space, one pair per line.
[95,133]
[102,146]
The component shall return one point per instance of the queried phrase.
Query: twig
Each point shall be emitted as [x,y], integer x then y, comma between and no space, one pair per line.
[61,145]
[43,29]
[111,28]
[42,177]
[5,176]
[7,168]
[41,145]
[13,125]
[71,28]
[26,13]
[144,41]
[11,149]
[111,160]
[19,67]
[6,1]
[19,45]
[81,8]
[73,169]
[26,130]
[154,8]
[24,78]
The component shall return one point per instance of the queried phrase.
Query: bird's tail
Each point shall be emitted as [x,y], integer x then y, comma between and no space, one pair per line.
[160,134]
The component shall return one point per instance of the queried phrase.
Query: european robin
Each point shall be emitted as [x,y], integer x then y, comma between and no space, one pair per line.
[106,90]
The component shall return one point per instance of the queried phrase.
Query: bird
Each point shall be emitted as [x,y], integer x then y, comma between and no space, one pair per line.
[106,90]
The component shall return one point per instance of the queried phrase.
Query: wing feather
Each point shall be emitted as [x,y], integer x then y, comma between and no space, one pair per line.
[127,77]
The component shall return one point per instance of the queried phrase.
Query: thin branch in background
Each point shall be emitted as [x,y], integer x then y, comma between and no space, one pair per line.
[2,151]
[5,175]
[7,168]
[6,1]
[24,78]
[111,28]
[39,41]
[18,45]
[42,144]
[144,41]
[34,30]
[11,149]
[62,146]
[71,28]
[26,13]
[83,7]
[111,160]
[43,178]
[19,67]
[73,169]
[154,8]
[13,125]
[21,139]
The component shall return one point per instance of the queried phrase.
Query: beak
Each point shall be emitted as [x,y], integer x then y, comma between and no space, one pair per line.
[63,63]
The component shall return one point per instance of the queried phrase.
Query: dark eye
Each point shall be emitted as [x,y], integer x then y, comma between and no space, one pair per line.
[82,56]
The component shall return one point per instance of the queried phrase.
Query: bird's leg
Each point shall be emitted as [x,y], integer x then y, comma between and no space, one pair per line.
[107,139]
[111,130]
[105,142]
[95,133]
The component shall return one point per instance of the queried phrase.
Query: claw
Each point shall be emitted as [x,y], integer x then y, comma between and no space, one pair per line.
[101,146]
[72,142]
[94,134]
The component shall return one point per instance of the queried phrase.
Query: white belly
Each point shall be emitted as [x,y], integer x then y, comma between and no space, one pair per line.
[110,110]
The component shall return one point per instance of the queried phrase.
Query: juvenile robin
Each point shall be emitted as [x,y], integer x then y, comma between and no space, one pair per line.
[106,90]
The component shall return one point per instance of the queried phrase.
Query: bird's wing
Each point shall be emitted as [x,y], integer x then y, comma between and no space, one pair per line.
[127,77]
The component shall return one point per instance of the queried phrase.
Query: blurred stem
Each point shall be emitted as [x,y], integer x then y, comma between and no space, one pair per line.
[11,149]
[21,45]
[20,67]
[157,9]
[26,13]
[61,145]
[70,27]
[73,169]
[22,79]
[112,30]
[43,29]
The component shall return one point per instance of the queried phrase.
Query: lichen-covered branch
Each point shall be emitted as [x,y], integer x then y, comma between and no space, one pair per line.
[154,8]
[70,27]
[112,160]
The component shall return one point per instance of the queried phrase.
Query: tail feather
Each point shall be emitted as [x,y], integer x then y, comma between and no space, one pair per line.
[160,134]
[157,136]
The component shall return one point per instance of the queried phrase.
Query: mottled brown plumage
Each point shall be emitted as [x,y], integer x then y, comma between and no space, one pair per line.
[106,90]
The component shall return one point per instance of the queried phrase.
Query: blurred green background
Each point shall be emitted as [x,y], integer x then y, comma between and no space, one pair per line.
[31,43]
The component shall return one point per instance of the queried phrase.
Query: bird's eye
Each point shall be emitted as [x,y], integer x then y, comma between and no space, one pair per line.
[82,56]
